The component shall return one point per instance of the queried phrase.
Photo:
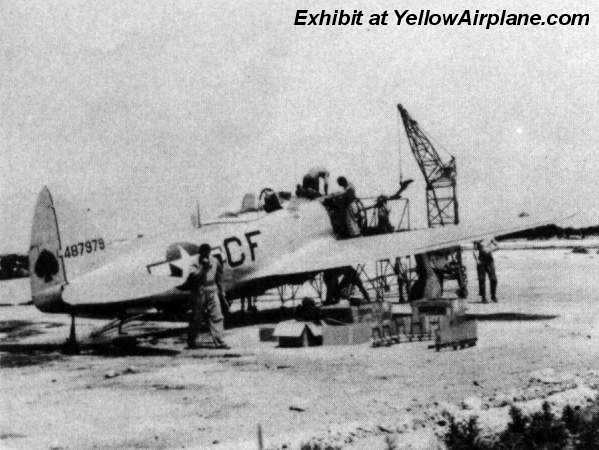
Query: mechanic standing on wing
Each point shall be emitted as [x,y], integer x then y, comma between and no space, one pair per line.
[485,265]
[206,296]
[348,195]
[311,183]
[382,213]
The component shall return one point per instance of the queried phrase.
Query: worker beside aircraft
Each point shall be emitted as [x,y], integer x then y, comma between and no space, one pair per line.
[206,295]
[485,265]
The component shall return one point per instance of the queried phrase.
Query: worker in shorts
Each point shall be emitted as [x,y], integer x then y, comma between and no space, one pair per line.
[206,296]
[485,266]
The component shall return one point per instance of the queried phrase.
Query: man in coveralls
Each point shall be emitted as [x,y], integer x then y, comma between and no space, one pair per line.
[485,265]
[206,295]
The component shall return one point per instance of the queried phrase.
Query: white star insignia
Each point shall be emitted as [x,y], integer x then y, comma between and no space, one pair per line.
[185,262]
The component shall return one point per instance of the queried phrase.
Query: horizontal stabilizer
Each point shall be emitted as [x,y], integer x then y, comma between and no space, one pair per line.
[111,284]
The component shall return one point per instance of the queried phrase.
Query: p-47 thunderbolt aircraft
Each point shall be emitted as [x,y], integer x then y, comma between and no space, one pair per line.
[77,270]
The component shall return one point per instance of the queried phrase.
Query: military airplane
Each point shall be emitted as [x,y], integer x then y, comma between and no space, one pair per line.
[77,270]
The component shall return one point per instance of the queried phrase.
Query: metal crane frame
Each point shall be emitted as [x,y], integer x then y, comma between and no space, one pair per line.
[441,197]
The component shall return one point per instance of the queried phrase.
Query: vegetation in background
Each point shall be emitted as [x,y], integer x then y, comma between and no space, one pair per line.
[553,231]
[577,428]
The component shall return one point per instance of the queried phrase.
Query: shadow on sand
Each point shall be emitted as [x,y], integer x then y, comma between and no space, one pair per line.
[274,315]
[509,316]
[19,355]
[23,328]
[21,359]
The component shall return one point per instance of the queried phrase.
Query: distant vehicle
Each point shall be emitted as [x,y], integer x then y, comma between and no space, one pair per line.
[575,237]
[76,270]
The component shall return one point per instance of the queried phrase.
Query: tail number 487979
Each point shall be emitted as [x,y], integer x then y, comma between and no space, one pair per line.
[83,248]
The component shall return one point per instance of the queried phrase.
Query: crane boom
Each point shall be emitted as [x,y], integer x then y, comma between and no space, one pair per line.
[441,197]
[440,176]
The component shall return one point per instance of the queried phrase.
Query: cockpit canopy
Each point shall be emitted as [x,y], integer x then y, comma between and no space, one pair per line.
[268,201]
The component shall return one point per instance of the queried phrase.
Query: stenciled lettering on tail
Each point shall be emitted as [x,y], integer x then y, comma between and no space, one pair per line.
[83,248]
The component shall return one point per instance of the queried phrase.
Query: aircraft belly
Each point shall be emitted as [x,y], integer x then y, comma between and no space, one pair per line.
[108,287]
[168,300]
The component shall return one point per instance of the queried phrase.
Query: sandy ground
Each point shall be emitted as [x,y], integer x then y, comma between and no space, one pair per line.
[540,341]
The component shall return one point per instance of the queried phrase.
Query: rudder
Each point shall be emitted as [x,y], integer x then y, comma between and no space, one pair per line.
[47,273]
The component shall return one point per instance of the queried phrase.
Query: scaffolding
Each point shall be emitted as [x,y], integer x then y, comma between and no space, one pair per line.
[391,279]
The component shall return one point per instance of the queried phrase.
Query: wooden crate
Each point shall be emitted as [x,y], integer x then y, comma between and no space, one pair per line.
[456,333]
[354,333]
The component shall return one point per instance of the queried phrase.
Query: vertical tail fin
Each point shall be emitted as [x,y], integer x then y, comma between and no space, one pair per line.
[45,262]
[64,245]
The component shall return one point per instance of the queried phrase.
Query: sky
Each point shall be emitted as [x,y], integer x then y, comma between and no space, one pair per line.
[138,110]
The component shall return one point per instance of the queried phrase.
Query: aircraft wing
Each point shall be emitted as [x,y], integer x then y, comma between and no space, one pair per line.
[130,279]
[327,253]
